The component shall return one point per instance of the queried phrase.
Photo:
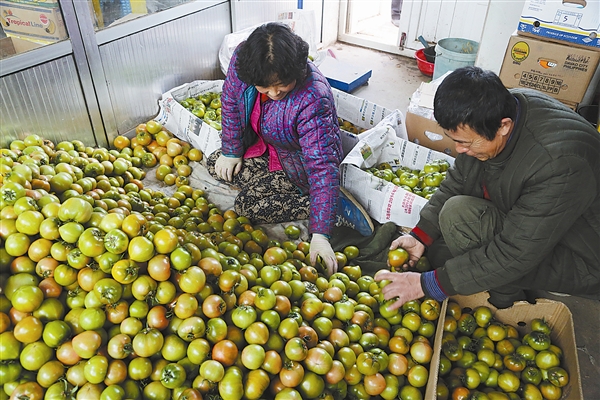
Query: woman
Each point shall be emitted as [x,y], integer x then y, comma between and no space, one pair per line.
[281,140]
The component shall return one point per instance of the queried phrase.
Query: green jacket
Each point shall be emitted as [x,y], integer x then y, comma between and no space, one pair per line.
[547,183]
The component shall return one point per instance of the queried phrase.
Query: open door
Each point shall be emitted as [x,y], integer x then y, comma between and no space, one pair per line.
[368,23]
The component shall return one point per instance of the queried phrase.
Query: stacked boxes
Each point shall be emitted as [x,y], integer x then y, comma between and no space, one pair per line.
[556,49]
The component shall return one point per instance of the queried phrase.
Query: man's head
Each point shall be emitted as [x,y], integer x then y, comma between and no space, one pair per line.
[273,59]
[476,111]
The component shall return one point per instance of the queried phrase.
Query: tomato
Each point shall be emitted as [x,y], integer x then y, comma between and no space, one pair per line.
[540,325]
[291,373]
[140,249]
[531,375]
[147,342]
[174,349]
[417,376]
[17,244]
[558,376]
[198,350]
[508,381]
[34,355]
[397,258]
[192,328]
[139,368]
[55,333]
[537,340]
[172,375]
[243,316]
[92,318]
[550,391]
[28,390]
[412,321]
[212,370]
[119,346]
[75,209]
[10,347]
[192,280]
[272,362]
[421,352]
[95,369]
[231,386]
[452,350]
[155,390]
[27,298]
[367,363]
[467,324]
[257,333]
[546,359]
[143,287]
[265,299]
[116,241]
[311,386]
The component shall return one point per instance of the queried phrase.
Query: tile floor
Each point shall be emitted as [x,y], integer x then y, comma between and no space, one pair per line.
[394,79]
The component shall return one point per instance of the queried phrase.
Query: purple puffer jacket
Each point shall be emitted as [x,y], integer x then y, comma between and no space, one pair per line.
[303,129]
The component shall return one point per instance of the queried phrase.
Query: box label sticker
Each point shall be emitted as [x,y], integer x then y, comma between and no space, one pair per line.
[520,51]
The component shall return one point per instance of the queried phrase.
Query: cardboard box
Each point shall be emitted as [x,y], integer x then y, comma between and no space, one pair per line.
[383,200]
[562,71]
[41,24]
[428,133]
[573,21]
[559,318]
[10,46]
[421,125]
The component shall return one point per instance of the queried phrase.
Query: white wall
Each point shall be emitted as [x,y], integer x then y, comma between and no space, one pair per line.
[500,23]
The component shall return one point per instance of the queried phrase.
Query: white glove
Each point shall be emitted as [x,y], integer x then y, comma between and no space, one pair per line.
[319,246]
[227,167]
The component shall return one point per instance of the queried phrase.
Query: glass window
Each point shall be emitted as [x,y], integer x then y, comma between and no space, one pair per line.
[112,12]
[29,24]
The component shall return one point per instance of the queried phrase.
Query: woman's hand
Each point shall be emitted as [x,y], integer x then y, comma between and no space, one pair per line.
[405,286]
[413,247]
[227,167]
[319,246]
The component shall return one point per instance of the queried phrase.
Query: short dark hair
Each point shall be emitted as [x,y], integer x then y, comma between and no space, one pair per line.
[272,54]
[473,97]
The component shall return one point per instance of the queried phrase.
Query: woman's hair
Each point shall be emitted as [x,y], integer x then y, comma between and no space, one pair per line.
[272,54]
[473,97]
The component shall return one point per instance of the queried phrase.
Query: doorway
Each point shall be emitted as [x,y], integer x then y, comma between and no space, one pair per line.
[368,23]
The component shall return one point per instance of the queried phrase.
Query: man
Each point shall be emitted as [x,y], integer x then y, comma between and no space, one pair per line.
[396,10]
[519,210]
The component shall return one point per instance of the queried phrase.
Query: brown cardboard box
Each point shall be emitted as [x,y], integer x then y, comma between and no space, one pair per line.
[10,46]
[428,133]
[560,70]
[41,24]
[559,318]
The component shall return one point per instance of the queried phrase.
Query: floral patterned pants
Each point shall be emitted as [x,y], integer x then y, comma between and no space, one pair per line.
[266,197]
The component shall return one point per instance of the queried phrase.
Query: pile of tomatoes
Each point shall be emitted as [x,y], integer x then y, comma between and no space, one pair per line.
[422,182]
[111,290]
[483,358]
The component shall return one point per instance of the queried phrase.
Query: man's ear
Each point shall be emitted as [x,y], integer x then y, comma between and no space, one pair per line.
[506,126]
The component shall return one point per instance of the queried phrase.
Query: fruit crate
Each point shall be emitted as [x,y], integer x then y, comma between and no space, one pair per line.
[556,314]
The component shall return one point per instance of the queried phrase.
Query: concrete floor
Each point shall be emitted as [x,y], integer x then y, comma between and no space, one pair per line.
[394,79]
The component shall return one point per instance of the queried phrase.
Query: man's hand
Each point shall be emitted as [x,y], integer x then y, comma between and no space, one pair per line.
[319,246]
[405,286]
[227,167]
[413,247]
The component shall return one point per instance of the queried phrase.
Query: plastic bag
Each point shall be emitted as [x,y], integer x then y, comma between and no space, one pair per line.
[302,22]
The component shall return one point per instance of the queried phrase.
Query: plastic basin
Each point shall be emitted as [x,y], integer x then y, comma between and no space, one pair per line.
[425,66]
